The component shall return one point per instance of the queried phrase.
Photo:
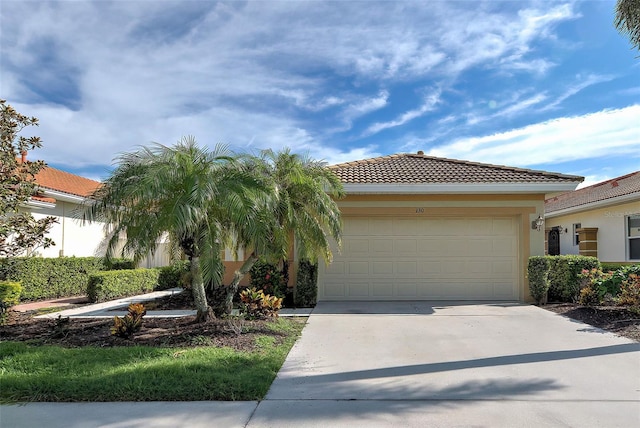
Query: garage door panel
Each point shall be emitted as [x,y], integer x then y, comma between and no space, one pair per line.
[425,258]
[358,268]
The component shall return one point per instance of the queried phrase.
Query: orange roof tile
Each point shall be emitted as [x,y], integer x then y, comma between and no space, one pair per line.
[625,185]
[61,181]
[406,168]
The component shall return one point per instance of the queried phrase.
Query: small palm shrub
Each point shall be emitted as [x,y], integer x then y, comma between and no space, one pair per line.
[131,323]
[257,305]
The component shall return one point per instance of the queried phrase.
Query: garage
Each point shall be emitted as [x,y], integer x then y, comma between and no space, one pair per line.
[424,258]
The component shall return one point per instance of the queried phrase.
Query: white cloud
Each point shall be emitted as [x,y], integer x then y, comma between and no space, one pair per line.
[605,133]
[428,105]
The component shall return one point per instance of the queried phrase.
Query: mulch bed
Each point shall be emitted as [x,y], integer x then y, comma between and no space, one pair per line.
[616,319]
[173,332]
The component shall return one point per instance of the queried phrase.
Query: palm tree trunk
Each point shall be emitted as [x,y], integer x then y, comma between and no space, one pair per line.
[205,313]
[237,277]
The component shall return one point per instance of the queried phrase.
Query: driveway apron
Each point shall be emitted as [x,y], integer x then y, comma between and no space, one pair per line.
[472,364]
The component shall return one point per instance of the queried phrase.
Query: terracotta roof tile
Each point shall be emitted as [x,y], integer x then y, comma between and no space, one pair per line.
[620,186]
[61,181]
[408,168]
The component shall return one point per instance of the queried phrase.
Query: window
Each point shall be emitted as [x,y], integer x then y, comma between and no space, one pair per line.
[633,237]
[576,235]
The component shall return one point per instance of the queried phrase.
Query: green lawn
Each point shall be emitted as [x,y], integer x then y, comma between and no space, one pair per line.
[54,373]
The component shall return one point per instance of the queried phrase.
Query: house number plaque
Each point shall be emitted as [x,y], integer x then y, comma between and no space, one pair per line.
[419,210]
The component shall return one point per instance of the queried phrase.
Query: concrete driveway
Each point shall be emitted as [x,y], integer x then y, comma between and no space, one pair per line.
[452,364]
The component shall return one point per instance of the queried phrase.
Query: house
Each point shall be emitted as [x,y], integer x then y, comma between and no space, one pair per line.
[418,227]
[60,194]
[601,220]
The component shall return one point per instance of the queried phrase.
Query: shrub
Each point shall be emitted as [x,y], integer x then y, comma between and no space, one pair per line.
[257,305]
[118,264]
[630,292]
[538,274]
[131,323]
[267,277]
[49,278]
[306,292]
[592,287]
[9,296]
[113,284]
[173,276]
[564,280]
[618,276]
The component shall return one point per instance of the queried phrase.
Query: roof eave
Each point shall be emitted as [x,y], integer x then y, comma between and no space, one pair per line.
[461,188]
[595,205]
[62,196]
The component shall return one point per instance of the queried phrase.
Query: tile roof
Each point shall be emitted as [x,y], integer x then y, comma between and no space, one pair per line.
[620,186]
[407,168]
[61,181]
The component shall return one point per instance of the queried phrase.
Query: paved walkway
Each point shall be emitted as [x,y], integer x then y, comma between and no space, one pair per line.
[412,364]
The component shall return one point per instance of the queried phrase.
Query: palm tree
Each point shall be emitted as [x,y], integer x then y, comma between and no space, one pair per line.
[627,20]
[304,207]
[199,198]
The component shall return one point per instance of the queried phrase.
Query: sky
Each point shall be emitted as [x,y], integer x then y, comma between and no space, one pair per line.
[543,84]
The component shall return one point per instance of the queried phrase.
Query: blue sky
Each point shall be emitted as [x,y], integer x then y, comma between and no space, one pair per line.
[537,84]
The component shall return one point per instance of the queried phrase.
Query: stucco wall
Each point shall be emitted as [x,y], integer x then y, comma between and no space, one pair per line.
[610,221]
[70,236]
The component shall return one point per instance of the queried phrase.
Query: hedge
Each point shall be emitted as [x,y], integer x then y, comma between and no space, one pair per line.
[173,276]
[564,284]
[49,278]
[9,296]
[114,284]
[306,292]
[538,274]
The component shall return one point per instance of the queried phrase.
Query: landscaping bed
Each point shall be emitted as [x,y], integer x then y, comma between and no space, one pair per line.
[616,319]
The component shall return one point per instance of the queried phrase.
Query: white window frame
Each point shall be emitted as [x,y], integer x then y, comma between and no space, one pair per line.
[628,238]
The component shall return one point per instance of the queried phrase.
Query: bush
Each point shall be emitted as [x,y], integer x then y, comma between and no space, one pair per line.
[176,275]
[257,305]
[131,323]
[9,296]
[306,292]
[538,274]
[118,264]
[592,287]
[49,278]
[618,276]
[268,278]
[113,284]
[630,292]
[564,276]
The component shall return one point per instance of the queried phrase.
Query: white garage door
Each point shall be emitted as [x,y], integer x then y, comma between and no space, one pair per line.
[424,259]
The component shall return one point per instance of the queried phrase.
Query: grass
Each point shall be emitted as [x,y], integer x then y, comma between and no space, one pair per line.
[54,373]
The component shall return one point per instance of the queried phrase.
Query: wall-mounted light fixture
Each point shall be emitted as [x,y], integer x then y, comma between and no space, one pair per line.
[538,223]
[561,230]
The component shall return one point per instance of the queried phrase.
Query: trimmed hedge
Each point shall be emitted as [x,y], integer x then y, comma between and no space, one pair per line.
[562,273]
[538,274]
[114,284]
[50,278]
[306,292]
[564,282]
[173,276]
[9,296]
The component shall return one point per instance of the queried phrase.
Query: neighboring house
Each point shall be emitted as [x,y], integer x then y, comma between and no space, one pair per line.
[60,194]
[418,227]
[601,220]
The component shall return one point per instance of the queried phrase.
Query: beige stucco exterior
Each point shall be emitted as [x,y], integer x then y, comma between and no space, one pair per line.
[522,209]
[610,221]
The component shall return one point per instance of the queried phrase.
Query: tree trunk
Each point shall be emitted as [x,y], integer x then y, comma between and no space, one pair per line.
[237,277]
[205,313]
[285,273]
